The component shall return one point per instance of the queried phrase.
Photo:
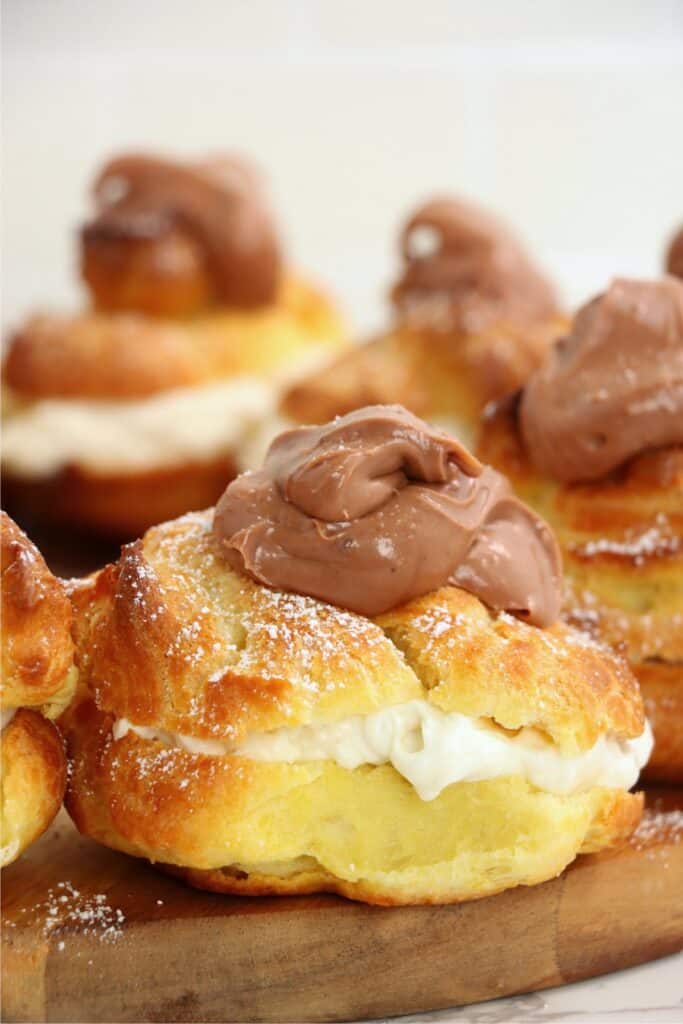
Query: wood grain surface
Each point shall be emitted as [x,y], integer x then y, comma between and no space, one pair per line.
[92,935]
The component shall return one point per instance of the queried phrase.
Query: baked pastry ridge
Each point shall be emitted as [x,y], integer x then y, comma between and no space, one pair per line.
[595,444]
[254,739]
[38,680]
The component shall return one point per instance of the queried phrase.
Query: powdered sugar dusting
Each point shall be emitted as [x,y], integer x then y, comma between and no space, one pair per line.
[312,633]
[159,766]
[66,909]
[658,826]
[636,545]
[640,635]
[250,630]
[436,622]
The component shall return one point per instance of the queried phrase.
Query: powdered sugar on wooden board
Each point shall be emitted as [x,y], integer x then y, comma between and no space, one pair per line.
[658,826]
[65,909]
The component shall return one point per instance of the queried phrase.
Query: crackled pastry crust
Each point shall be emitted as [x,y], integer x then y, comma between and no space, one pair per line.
[445,376]
[37,649]
[622,542]
[33,773]
[170,637]
[38,678]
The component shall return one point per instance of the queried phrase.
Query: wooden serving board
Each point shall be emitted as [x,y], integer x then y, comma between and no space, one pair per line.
[92,935]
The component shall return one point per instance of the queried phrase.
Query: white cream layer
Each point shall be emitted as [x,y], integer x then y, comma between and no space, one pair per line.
[431,749]
[182,425]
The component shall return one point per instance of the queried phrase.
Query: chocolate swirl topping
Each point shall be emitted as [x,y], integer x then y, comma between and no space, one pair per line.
[376,508]
[219,203]
[674,256]
[613,387]
[463,268]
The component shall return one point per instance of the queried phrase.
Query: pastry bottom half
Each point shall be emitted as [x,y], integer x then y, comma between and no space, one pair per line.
[33,778]
[235,825]
[120,506]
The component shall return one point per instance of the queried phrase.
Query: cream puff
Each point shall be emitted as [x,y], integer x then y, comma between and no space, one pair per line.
[348,677]
[147,404]
[472,318]
[38,680]
[595,443]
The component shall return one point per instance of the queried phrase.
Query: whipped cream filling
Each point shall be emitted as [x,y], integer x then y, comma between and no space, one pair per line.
[239,416]
[6,716]
[431,749]
[181,425]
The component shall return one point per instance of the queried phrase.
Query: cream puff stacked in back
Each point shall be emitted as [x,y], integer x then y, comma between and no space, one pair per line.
[146,405]
[38,680]
[472,318]
[349,678]
[595,443]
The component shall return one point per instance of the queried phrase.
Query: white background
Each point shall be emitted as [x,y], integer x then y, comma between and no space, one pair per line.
[565,115]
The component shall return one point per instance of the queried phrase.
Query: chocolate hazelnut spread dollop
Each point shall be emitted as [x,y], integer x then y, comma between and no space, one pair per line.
[464,269]
[218,203]
[376,508]
[613,387]
[674,255]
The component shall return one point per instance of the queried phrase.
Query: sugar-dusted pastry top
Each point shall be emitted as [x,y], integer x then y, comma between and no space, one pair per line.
[613,387]
[463,268]
[223,657]
[267,742]
[674,255]
[376,508]
[206,225]
[37,649]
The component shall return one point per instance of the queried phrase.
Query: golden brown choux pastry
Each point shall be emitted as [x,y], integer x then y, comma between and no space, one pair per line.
[253,739]
[38,679]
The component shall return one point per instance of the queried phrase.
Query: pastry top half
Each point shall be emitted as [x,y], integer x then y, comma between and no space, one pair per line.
[472,317]
[37,648]
[174,638]
[122,356]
